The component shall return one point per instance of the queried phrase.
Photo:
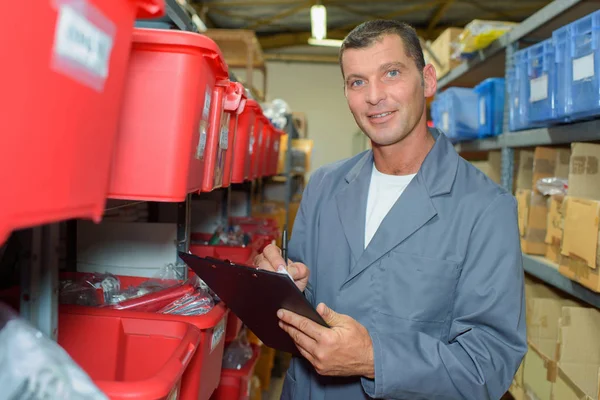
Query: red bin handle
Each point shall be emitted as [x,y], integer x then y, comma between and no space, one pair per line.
[150,8]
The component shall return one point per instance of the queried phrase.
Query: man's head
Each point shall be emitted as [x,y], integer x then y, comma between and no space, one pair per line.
[386,80]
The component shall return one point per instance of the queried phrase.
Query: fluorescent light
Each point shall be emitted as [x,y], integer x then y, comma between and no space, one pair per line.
[325,42]
[318,21]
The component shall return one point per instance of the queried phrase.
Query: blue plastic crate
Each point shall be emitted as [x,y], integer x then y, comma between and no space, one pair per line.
[518,92]
[541,73]
[564,72]
[490,100]
[585,63]
[455,116]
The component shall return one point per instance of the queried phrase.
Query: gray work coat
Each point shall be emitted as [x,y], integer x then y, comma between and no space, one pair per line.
[439,288]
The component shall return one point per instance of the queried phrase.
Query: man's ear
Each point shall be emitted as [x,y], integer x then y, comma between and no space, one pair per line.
[429,80]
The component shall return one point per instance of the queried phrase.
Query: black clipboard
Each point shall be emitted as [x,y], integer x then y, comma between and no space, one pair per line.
[255,296]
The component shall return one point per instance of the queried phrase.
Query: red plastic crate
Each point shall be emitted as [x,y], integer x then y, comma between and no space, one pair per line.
[219,145]
[202,375]
[256,145]
[232,154]
[165,120]
[244,143]
[235,384]
[114,351]
[63,90]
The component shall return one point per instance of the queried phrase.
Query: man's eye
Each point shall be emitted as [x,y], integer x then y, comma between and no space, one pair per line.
[393,73]
[356,83]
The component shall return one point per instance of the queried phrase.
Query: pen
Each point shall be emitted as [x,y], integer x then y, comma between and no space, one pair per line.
[284,244]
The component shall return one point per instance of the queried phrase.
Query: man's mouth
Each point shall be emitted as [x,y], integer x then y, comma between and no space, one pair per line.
[380,115]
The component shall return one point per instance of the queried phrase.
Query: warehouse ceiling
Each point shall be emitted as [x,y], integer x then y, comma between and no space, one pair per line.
[283,26]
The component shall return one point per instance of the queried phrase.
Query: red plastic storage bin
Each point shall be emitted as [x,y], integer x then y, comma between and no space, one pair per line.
[129,358]
[62,94]
[232,155]
[201,377]
[244,143]
[220,141]
[165,117]
[273,151]
[235,384]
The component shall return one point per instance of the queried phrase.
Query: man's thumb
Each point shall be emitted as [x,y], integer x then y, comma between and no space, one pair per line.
[327,313]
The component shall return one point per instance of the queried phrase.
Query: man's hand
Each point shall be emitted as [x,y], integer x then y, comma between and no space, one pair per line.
[343,350]
[271,260]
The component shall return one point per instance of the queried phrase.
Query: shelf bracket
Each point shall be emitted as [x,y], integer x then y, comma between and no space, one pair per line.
[39,281]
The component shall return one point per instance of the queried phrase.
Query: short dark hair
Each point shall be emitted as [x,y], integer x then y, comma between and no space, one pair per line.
[368,32]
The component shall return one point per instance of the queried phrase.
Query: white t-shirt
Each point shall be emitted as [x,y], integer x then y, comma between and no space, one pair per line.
[384,191]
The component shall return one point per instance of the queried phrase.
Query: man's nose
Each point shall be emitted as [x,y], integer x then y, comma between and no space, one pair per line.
[376,93]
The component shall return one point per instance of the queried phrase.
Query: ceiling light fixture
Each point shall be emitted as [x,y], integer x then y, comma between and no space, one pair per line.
[318,21]
[325,42]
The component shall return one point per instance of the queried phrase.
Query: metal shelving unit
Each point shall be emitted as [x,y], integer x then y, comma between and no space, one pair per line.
[545,270]
[493,62]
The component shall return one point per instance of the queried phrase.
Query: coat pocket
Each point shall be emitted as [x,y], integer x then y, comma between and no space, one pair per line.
[289,385]
[416,288]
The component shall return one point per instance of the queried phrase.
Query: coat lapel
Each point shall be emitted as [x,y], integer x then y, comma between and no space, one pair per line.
[352,204]
[414,208]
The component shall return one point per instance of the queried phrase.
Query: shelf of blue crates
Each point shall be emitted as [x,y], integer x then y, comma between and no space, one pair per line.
[490,62]
[547,271]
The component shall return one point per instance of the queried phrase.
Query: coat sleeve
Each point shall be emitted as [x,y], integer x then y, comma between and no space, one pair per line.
[487,339]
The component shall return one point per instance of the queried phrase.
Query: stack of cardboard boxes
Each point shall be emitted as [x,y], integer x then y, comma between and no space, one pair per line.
[562,228]
[563,361]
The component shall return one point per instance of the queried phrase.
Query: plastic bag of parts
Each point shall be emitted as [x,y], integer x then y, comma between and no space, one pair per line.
[199,302]
[477,35]
[155,293]
[94,289]
[35,367]
[237,353]
[277,111]
[552,186]
[229,235]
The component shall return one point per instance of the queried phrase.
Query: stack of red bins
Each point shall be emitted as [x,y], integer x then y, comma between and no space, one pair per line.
[111,344]
[63,90]
[165,120]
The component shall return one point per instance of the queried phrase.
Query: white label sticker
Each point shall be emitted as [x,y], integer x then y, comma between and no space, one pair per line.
[251,143]
[538,89]
[445,121]
[224,138]
[207,101]
[202,142]
[82,49]
[482,111]
[260,138]
[217,335]
[583,67]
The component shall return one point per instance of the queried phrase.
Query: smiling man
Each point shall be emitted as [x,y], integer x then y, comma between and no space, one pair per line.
[410,254]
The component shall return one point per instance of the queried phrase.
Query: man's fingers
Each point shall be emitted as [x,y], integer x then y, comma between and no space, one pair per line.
[302,324]
[273,254]
[298,271]
[302,340]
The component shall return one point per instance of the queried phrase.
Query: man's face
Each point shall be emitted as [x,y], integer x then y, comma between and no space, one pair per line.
[385,89]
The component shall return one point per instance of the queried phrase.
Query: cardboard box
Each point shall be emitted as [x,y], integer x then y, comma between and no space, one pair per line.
[495,166]
[554,228]
[550,162]
[580,236]
[579,350]
[579,254]
[524,177]
[584,174]
[442,49]
[517,392]
[536,371]
[532,217]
